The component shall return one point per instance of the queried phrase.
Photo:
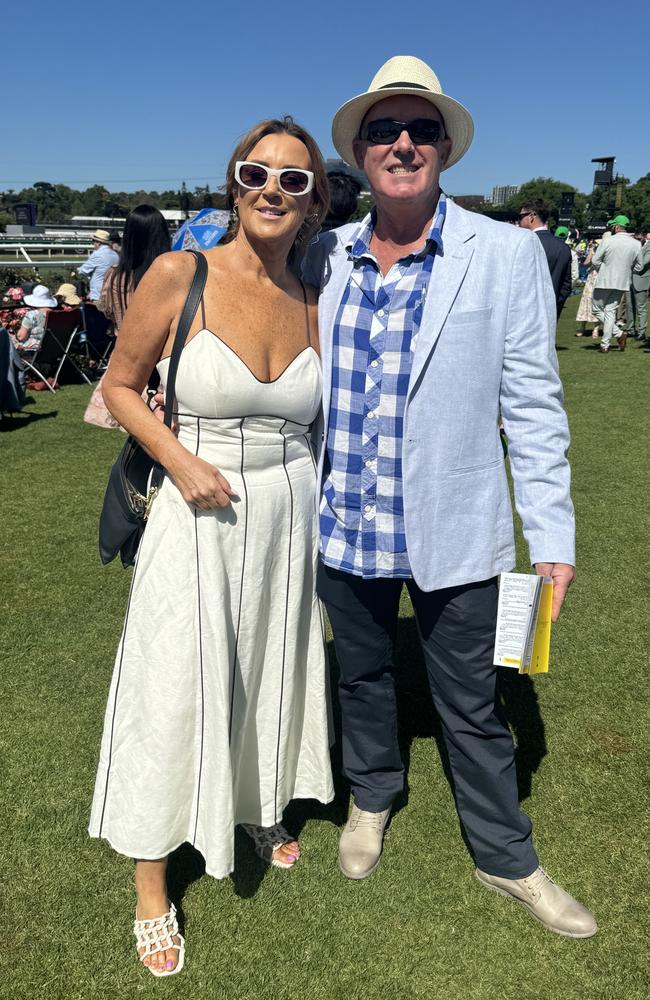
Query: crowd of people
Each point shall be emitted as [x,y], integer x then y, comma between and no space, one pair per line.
[615,271]
[615,294]
[336,408]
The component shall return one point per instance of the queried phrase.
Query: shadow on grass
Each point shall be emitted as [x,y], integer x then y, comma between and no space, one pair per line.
[417,720]
[15,421]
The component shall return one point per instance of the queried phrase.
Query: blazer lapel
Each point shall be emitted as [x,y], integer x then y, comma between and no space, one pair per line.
[337,271]
[449,269]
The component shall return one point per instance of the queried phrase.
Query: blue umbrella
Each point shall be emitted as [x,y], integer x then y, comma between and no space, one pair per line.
[203,231]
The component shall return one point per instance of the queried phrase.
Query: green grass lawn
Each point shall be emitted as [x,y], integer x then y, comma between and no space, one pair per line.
[421,926]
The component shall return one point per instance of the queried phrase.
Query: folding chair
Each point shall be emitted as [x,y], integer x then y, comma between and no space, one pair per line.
[54,351]
[44,358]
[96,337]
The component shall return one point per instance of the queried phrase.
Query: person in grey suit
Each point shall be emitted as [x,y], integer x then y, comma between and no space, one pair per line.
[636,297]
[434,322]
[614,261]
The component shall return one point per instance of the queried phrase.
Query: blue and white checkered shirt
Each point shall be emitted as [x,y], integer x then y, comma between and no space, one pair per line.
[375,332]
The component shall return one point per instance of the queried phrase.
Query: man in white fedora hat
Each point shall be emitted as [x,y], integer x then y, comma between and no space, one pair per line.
[435,322]
[100,260]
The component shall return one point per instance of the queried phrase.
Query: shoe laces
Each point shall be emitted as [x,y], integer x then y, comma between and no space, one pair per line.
[371,820]
[537,880]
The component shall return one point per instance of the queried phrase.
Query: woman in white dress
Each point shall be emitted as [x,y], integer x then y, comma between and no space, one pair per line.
[218,711]
[585,312]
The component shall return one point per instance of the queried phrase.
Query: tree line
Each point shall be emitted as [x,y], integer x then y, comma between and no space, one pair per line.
[589,209]
[58,202]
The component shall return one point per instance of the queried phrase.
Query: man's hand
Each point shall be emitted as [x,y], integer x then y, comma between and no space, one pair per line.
[562,575]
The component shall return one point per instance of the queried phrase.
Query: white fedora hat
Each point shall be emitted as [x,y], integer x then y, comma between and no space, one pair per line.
[403,75]
[102,236]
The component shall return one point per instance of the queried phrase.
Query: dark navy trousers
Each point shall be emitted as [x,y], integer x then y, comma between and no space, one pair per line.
[456,628]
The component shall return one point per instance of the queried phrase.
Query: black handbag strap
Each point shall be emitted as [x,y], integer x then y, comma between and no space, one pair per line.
[184,325]
[185,322]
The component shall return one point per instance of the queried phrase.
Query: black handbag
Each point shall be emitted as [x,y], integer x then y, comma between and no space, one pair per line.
[135,477]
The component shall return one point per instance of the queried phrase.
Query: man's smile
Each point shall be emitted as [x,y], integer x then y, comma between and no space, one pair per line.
[402,169]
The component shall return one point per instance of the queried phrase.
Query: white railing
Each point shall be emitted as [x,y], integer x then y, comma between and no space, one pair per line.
[20,249]
[38,265]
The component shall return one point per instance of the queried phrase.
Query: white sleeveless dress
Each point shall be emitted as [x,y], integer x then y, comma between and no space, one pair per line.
[218,708]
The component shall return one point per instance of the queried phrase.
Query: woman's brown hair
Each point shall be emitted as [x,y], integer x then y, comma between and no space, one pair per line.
[320,191]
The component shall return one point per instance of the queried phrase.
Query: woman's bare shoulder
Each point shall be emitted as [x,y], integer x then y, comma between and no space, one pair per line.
[165,282]
[173,266]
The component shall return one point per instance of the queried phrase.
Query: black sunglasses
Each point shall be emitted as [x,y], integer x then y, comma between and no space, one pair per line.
[422,131]
[522,215]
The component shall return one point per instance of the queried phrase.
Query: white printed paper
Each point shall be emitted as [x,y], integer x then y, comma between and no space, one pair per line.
[518,600]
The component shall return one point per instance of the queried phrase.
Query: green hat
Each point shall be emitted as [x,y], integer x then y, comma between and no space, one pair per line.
[619,220]
[562,231]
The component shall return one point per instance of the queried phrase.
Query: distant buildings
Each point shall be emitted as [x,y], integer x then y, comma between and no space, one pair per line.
[502,193]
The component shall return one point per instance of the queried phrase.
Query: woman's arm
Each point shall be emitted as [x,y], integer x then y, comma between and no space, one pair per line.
[27,327]
[149,325]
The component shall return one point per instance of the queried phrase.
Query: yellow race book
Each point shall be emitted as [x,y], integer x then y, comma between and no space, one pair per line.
[523,633]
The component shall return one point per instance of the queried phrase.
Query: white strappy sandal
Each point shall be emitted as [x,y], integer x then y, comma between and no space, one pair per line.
[267,839]
[160,934]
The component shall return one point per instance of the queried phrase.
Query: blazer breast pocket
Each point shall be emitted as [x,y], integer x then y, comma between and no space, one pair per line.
[469,317]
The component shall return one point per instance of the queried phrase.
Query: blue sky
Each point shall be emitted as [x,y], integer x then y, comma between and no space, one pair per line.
[143,94]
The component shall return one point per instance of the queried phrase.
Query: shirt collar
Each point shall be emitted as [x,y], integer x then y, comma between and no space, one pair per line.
[359,243]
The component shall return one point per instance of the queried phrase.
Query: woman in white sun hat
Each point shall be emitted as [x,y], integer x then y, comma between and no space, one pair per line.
[32,331]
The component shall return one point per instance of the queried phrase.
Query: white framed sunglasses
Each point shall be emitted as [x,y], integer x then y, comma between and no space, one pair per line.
[255,177]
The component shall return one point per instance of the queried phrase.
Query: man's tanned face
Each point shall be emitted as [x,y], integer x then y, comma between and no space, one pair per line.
[402,171]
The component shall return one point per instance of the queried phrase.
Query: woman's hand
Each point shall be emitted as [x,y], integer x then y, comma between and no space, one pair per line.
[200,484]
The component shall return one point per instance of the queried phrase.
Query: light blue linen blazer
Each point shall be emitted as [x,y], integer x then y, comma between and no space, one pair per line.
[486,348]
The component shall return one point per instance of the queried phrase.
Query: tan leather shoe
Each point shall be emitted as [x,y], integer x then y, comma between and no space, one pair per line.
[361,842]
[545,901]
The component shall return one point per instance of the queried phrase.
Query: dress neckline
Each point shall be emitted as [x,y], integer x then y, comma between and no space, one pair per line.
[234,353]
